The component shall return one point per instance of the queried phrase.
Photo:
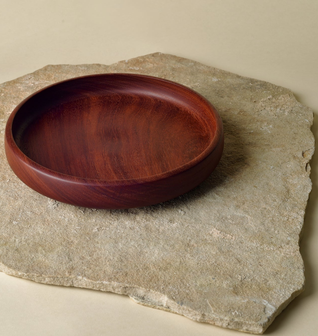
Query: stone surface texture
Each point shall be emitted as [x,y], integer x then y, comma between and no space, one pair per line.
[226,253]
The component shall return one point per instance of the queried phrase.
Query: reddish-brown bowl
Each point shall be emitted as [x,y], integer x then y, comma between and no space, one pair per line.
[114,140]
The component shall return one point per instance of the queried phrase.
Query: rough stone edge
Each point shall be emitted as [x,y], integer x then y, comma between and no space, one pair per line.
[151,298]
[141,296]
[306,165]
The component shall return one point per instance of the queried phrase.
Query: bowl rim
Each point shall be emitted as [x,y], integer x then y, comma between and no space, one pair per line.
[213,143]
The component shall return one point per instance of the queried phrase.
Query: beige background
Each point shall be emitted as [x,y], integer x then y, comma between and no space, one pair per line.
[273,40]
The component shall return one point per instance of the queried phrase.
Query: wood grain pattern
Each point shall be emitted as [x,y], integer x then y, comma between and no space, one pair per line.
[114,140]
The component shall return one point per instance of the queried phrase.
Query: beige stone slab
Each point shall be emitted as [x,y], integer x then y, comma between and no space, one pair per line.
[226,253]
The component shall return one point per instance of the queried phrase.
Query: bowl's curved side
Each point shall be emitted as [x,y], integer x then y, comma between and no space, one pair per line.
[99,194]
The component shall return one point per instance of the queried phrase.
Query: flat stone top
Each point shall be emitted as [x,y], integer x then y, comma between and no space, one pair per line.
[225,253]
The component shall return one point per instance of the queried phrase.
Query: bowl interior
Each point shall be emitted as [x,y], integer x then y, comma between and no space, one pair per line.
[114,127]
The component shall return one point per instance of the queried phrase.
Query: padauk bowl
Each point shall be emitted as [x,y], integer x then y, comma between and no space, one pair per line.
[114,140]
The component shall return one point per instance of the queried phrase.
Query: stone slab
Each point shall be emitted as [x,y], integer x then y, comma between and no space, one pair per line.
[226,253]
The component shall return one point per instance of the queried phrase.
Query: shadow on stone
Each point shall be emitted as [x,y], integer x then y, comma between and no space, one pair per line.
[233,161]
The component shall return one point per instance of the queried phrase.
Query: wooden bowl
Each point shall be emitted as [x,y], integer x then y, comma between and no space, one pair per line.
[114,140]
